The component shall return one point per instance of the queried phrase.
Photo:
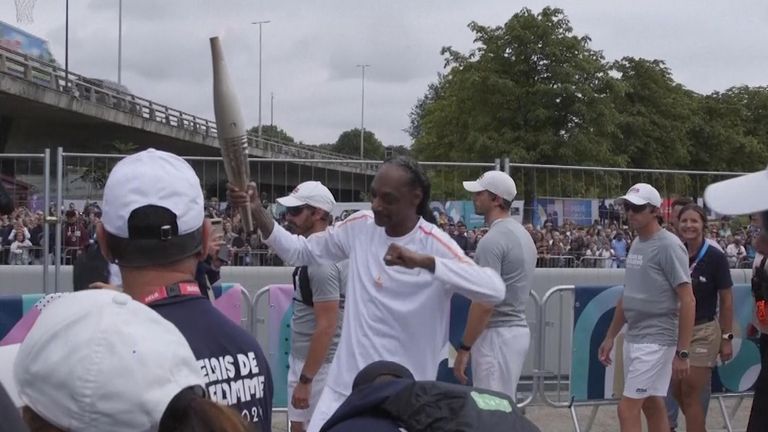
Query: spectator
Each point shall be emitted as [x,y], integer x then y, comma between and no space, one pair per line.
[6,203]
[18,227]
[725,229]
[735,251]
[36,233]
[154,228]
[75,236]
[619,246]
[461,237]
[97,360]
[602,212]
[20,250]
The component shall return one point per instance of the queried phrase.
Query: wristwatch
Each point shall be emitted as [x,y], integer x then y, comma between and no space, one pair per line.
[727,336]
[304,379]
[682,354]
[464,347]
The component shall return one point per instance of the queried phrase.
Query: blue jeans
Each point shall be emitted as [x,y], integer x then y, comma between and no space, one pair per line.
[673,409]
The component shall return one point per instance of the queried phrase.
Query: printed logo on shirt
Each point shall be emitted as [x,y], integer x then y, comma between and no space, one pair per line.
[634,260]
[235,380]
[641,390]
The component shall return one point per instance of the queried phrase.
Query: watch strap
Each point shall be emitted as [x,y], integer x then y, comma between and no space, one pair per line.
[305,379]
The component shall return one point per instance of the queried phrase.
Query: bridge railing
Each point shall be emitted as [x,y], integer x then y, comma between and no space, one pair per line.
[97,91]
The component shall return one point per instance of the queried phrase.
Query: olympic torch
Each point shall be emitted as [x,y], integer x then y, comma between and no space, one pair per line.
[231,129]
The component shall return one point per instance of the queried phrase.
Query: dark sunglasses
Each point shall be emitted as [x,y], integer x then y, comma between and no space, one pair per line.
[295,211]
[635,208]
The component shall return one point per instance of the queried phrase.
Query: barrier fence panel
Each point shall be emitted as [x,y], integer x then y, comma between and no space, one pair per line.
[541,185]
[27,179]
[586,382]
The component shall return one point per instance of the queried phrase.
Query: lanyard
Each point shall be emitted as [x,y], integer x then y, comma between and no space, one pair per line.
[702,251]
[175,290]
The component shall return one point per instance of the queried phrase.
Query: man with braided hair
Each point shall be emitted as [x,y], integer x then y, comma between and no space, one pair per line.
[403,271]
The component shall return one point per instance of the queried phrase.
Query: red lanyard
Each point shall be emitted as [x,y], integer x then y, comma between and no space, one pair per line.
[175,290]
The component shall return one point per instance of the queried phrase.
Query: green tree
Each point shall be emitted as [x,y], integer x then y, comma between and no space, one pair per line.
[348,143]
[730,131]
[273,132]
[530,90]
[655,114]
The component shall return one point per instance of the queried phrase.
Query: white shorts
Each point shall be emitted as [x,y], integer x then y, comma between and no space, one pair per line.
[295,365]
[647,369]
[329,402]
[497,358]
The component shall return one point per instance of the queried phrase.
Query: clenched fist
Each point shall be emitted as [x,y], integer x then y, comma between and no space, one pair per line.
[397,255]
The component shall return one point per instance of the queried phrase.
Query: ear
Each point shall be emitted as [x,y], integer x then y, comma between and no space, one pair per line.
[101,237]
[206,240]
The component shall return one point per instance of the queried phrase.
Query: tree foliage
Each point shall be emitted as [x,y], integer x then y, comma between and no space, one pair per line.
[348,143]
[535,91]
[272,132]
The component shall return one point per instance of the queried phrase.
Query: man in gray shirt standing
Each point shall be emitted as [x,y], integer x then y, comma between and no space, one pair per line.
[317,305]
[658,307]
[498,337]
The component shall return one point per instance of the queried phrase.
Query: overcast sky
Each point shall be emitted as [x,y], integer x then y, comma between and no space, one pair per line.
[310,49]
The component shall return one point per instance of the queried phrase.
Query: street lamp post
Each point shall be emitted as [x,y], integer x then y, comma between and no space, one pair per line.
[362,110]
[120,43]
[260,24]
[66,46]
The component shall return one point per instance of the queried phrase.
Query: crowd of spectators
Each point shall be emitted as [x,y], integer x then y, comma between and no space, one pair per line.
[604,244]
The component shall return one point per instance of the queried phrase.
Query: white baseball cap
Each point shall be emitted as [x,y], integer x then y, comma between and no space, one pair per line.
[497,182]
[153,201]
[97,360]
[740,195]
[640,194]
[311,193]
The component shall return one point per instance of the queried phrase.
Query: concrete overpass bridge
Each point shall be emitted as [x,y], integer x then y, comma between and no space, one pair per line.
[43,107]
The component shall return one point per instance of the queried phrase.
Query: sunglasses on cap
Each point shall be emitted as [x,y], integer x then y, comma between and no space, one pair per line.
[295,211]
[635,208]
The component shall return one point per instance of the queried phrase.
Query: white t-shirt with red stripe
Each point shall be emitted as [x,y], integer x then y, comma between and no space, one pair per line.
[392,313]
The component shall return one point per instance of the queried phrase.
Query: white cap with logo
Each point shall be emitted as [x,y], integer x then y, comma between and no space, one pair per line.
[740,195]
[497,182]
[97,360]
[640,194]
[311,193]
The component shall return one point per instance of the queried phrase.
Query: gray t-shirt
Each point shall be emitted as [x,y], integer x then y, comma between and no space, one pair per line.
[655,268]
[328,283]
[509,249]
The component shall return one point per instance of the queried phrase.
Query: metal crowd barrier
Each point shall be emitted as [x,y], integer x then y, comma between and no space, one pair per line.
[247,258]
[595,262]
[555,261]
[556,381]
[271,343]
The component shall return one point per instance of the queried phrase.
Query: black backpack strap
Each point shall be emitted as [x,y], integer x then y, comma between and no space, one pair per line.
[301,277]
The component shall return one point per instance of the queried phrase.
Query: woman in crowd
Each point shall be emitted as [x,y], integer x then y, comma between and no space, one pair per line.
[20,249]
[712,334]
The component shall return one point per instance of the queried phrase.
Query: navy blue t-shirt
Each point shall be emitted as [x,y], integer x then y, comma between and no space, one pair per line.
[234,366]
[710,275]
